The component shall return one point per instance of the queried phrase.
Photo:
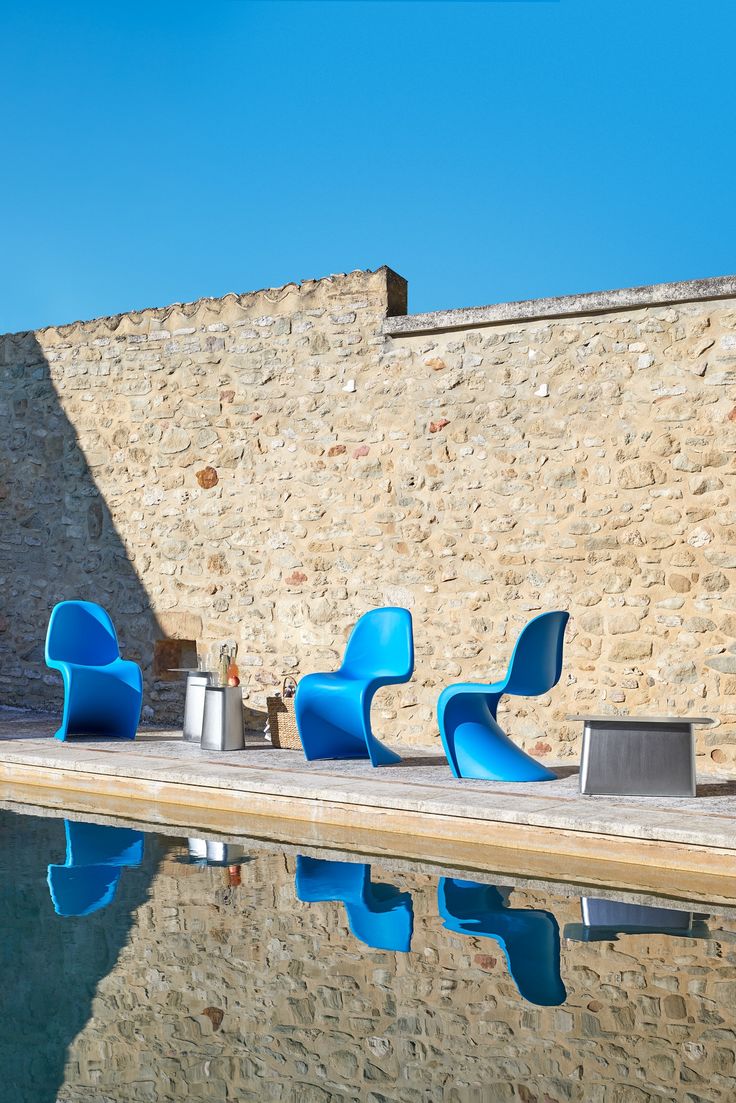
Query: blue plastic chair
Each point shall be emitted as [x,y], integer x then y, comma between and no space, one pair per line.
[530,939]
[475,744]
[103,693]
[379,915]
[333,711]
[95,857]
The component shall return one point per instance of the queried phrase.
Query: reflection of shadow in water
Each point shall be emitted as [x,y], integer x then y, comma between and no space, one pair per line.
[51,967]
[605,920]
[378,914]
[57,538]
[529,939]
[95,857]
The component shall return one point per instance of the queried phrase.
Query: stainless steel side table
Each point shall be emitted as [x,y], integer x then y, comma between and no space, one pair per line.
[650,756]
[222,725]
[197,682]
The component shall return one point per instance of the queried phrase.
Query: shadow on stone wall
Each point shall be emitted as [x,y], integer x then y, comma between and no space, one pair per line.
[51,966]
[55,522]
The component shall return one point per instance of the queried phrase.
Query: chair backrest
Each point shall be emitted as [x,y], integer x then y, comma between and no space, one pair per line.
[381,645]
[536,663]
[81,632]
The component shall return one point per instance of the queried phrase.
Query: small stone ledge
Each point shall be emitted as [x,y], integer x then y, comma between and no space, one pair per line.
[563,306]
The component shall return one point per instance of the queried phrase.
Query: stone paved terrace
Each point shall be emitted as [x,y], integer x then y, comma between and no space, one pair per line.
[415,809]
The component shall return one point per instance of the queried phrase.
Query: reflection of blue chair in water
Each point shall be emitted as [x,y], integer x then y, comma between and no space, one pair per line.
[604,920]
[474,743]
[102,692]
[333,711]
[95,856]
[529,939]
[378,914]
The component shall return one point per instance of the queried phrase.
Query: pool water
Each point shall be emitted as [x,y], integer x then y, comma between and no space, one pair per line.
[143,966]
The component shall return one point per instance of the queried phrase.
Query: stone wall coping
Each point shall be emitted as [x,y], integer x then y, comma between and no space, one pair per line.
[396,289]
[562,306]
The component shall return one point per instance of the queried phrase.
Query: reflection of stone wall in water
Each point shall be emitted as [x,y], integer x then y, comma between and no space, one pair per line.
[50,966]
[244,993]
[265,467]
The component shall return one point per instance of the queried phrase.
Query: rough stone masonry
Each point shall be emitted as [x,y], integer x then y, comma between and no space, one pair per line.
[265,467]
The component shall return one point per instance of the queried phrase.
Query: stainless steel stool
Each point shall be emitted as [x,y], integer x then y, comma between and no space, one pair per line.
[222,724]
[638,755]
[197,682]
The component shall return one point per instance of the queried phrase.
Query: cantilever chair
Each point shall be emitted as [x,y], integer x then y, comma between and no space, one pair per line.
[474,743]
[378,914]
[333,711]
[530,939]
[102,692]
[95,857]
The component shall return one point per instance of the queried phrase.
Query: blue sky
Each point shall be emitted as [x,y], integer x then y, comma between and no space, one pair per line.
[158,152]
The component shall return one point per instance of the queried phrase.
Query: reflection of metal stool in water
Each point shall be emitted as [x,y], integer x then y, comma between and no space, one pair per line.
[95,856]
[605,920]
[212,852]
[378,914]
[530,939]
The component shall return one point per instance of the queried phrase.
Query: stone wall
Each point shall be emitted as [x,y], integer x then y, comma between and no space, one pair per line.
[244,993]
[265,467]
[612,495]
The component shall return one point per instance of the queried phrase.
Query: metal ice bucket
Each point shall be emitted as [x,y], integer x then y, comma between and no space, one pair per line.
[197,682]
[222,725]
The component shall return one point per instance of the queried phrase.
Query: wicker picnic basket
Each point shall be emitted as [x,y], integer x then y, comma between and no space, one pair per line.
[282,721]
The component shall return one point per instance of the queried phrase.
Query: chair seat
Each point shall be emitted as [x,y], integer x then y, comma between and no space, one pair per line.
[120,670]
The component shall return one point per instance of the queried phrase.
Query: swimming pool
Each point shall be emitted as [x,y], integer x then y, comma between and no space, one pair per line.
[145,966]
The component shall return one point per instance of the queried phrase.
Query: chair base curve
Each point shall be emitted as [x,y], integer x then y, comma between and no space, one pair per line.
[333,720]
[475,744]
